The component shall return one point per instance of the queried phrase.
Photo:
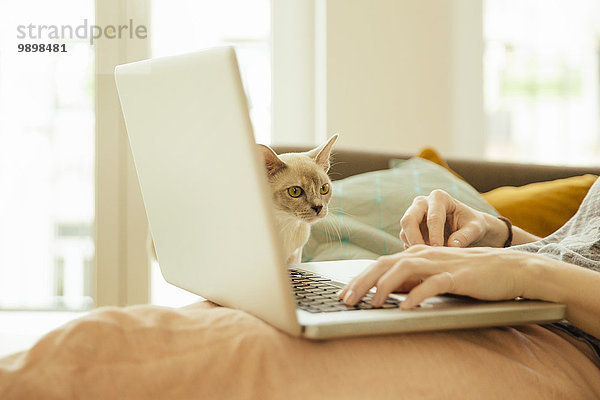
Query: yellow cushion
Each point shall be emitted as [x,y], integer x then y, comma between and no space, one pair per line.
[542,207]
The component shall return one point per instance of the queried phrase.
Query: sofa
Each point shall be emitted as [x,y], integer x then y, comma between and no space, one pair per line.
[482,175]
[211,352]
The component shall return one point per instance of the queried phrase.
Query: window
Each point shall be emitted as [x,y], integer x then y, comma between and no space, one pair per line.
[180,26]
[541,80]
[46,160]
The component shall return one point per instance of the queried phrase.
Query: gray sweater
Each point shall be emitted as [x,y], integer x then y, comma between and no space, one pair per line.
[577,242]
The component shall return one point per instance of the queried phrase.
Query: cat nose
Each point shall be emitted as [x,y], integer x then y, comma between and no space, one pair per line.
[317,209]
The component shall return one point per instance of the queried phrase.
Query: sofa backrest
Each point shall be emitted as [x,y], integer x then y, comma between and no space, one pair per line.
[482,175]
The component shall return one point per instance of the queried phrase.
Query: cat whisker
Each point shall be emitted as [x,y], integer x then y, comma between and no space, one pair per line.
[332,229]
[339,211]
[338,231]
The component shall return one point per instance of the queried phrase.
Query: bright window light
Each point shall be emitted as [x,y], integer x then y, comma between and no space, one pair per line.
[180,26]
[46,161]
[541,80]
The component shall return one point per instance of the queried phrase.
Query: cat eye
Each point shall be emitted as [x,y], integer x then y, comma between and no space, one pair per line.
[325,188]
[295,191]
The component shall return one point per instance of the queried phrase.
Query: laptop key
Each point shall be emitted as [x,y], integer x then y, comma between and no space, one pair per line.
[315,296]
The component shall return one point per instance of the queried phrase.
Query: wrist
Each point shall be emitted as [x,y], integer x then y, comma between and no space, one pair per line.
[496,232]
[538,279]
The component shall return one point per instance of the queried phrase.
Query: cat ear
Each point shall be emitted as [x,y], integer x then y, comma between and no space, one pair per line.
[272,162]
[322,153]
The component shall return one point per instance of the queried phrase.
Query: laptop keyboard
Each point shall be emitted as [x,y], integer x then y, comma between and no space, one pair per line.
[315,294]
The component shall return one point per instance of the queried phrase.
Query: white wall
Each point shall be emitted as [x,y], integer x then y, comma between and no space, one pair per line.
[390,74]
[293,97]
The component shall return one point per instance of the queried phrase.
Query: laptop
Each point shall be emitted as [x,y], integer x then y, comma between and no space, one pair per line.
[207,199]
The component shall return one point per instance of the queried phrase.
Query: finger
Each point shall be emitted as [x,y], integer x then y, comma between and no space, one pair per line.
[420,248]
[411,221]
[404,271]
[464,237]
[444,282]
[424,232]
[407,285]
[436,221]
[362,283]
[404,239]
[342,293]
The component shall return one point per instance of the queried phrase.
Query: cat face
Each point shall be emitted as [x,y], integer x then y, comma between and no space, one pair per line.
[303,189]
[299,183]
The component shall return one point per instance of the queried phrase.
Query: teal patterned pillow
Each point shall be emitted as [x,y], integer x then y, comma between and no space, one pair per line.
[365,210]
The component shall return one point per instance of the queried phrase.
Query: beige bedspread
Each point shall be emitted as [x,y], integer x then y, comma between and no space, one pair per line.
[207,352]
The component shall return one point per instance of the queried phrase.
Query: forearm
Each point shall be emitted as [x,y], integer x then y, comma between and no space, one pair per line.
[560,282]
[521,236]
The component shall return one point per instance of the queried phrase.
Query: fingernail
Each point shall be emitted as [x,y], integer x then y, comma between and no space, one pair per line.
[350,297]
[456,243]
[405,305]
[339,294]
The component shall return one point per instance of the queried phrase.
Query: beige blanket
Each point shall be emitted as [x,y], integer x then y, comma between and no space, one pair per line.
[208,352]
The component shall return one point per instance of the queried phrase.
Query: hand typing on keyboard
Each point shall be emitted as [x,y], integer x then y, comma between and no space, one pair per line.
[316,294]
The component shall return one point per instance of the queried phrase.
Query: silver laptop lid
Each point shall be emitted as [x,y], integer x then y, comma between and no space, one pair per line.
[203,182]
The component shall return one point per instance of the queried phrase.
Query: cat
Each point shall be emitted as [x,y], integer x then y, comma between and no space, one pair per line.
[301,190]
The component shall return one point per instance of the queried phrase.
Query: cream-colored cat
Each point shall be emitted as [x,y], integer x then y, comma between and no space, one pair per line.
[301,191]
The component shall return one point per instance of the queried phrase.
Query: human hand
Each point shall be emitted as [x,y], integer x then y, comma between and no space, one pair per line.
[441,220]
[424,271]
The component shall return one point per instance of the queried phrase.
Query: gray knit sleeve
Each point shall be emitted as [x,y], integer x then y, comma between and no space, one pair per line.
[578,241]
